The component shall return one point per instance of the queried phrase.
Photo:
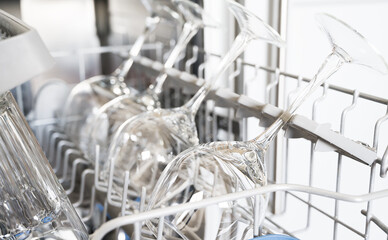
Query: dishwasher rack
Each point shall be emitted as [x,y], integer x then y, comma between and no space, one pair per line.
[221,117]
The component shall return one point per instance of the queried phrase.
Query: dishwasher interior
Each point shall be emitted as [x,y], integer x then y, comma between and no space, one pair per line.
[326,170]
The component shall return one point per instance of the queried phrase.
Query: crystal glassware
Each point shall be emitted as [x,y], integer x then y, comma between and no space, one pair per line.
[109,117]
[146,143]
[33,205]
[218,168]
[89,95]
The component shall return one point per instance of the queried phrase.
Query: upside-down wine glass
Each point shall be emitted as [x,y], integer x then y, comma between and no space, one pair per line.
[109,117]
[89,95]
[146,143]
[219,168]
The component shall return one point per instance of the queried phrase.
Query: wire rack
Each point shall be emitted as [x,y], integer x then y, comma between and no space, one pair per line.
[306,209]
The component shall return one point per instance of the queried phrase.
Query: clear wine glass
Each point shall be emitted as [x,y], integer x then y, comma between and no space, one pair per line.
[219,168]
[33,204]
[146,143]
[89,95]
[109,117]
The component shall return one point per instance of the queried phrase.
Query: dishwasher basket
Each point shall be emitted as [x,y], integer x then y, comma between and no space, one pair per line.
[315,195]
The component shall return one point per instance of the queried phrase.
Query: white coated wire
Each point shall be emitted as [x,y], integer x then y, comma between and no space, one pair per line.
[156,213]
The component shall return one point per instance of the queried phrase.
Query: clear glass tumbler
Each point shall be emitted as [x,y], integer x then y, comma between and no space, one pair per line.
[33,205]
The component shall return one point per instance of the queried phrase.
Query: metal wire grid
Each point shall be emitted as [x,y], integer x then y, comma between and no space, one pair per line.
[214,124]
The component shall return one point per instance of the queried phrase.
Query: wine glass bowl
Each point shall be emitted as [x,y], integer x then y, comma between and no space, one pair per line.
[195,14]
[350,44]
[205,171]
[150,140]
[255,26]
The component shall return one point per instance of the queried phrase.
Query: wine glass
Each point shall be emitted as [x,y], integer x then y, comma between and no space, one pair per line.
[218,168]
[33,204]
[87,96]
[109,117]
[146,143]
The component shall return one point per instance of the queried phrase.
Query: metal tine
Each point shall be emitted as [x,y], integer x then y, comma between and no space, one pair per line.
[370,205]
[234,202]
[372,174]
[76,162]
[109,194]
[159,51]
[287,140]
[69,152]
[39,133]
[125,193]
[182,56]
[139,224]
[100,186]
[82,189]
[105,211]
[377,221]
[166,54]
[245,120]
[123,200]
[58,156]
[200,127]
[255,75]
[114,200]
[299,84]
[339,166]
[142,199]
[271,85]
[48,130]
[91,207]
[230,124]
[231,110]
[384,164]
[312,152]
[160,228]
[376,133]
[192,60]
[202,66]
[216,170]
[256,212]
[237,72]
[214,123]
[207,121]
[51,146]
[136,233]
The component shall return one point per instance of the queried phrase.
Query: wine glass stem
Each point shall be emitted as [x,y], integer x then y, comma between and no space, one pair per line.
[236,49]
[123,69]
[188,32]
[331,64]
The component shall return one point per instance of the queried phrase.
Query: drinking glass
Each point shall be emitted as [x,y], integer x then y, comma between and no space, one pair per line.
[89,95]
[219,168]
[146,143]
[109,117]
[33,205]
